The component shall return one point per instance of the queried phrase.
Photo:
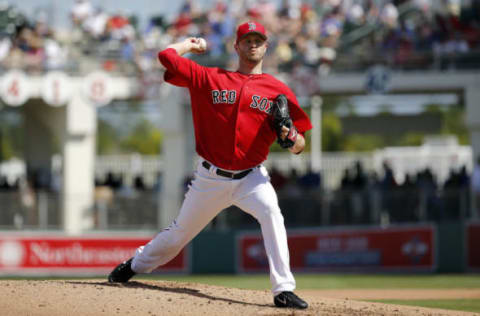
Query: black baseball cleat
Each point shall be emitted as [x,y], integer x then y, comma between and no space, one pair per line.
[289,299]
[122,273]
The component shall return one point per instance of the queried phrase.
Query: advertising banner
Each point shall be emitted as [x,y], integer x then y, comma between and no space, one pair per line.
[64,255]
[349,249]
[473,240]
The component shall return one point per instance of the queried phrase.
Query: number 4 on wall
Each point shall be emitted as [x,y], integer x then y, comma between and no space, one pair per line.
[14,88]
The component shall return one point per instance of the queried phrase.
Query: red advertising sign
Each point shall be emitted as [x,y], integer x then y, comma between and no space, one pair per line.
[473,241]
[395,248]
[59,255]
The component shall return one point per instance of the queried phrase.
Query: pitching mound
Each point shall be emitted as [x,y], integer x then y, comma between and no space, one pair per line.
[96,297]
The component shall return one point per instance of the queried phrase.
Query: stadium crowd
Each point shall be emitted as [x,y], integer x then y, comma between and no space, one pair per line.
[304,35]
[418,197]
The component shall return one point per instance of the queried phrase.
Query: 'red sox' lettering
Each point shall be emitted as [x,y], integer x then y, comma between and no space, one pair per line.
[263,104]
[224,96]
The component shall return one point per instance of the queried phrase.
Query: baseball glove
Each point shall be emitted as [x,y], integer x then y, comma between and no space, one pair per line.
[281,117]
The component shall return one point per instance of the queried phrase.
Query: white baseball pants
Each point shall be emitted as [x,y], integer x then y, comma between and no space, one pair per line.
[210,193]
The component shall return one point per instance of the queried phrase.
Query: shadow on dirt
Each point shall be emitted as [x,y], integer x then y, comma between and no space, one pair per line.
[179,290]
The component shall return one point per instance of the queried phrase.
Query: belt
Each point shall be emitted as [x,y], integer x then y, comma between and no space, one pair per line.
[227,174]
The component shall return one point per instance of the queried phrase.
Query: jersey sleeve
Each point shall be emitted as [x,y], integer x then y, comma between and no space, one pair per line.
[299,117]
[181,71]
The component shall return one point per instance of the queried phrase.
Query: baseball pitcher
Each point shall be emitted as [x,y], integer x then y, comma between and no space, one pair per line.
[237,115]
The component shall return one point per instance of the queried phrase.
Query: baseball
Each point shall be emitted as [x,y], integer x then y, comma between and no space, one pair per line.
[203,44]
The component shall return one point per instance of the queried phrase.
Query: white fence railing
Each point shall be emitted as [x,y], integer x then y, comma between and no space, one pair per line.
[403,160]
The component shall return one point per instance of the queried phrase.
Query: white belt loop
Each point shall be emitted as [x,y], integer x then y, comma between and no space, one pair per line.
[212,169]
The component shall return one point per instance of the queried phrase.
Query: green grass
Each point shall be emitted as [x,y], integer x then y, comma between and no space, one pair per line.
[466,305]
[340,281]
[319,281]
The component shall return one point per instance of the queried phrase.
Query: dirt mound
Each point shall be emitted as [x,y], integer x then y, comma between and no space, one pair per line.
[97,297]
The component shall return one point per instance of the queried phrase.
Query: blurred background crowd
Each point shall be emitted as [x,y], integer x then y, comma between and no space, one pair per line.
[303,35]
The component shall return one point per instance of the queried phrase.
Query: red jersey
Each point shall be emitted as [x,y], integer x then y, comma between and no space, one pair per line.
[231,111]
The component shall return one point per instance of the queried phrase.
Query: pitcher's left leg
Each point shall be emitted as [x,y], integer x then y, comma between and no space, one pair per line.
[257,197]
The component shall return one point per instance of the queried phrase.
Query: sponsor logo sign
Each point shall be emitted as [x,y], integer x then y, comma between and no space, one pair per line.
[69,255]
[390,249]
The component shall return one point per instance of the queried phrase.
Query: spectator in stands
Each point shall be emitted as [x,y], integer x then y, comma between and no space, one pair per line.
[359,181]
[29,46]
[451,199]
[4,185]
[373,181]
[388,186]
[114,181]
[457,194]
[138,183]
[463,178]
[283,54]
[346,182]
[277,179]
[409,183]
[81,11]
[428,191]
[343,198]
[426,180]
[127,50]
[451,46]
[55,55]
[96,24]
[355,18]
[310,181]
[388,181]
[331,28]
[389,16]
[291,189]
[220,25]
[424,38]
[119,27]
[408,200]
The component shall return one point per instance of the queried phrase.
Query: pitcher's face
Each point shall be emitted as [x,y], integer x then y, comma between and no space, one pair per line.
[251,48]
